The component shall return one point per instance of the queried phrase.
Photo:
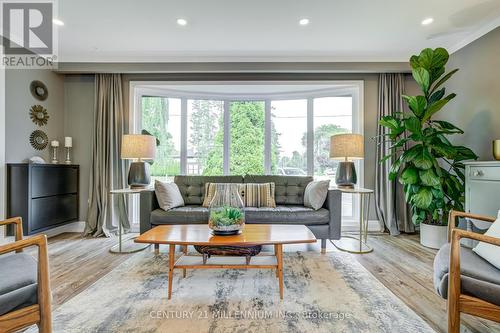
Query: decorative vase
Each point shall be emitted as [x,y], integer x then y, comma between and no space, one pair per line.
[496,149]
[226,214]
[433,236]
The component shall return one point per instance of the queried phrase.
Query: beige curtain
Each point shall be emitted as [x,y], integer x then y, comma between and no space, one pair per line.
[391,208]
[107,169]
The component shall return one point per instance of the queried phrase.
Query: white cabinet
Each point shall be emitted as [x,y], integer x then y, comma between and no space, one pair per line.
[482,190]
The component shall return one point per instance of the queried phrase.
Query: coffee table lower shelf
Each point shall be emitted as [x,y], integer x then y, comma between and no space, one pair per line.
[263,261]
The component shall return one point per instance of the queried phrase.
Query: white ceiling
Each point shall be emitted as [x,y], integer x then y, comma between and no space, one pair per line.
[267,30]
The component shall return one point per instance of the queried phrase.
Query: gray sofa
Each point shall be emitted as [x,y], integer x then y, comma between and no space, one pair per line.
[324,223]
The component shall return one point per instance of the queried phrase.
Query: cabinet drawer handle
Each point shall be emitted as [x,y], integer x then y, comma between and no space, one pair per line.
[478,173]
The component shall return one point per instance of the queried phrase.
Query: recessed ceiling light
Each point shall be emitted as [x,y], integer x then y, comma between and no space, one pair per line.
[427,21]
[58,22]
[304,21]
[182,22]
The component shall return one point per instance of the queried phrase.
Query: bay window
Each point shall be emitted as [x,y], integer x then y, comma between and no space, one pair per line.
[242,128]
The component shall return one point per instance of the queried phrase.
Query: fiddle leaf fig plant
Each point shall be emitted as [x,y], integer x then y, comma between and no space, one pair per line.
[428,165]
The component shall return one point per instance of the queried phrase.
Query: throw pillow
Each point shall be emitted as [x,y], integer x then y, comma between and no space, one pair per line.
[490,252]
[253,195]
[315,194]
[259,195]
[210,189]
[168,195]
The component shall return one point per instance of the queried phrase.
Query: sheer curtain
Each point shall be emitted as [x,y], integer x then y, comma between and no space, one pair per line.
[391,208]
[107,169]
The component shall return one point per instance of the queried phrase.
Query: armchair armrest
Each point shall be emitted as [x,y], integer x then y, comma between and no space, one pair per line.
[19,228]
[452,220]
[454,282]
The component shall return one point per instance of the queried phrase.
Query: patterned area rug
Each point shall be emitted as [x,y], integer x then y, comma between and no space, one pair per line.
[323,293]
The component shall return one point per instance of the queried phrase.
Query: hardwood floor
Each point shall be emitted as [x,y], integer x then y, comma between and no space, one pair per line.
[400,263]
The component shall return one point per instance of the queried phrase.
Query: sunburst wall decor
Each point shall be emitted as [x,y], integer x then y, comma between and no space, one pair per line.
[39,140]
[39,115]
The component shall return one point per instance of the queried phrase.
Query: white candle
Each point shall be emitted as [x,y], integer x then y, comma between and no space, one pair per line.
[54,143]
[68,141]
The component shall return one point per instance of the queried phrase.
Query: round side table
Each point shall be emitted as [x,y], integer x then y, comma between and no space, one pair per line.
[127,245]
[358,244]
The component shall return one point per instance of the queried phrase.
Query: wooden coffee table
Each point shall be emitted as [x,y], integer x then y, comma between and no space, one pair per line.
[252,234]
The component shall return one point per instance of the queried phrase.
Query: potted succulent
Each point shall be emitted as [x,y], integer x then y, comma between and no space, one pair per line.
[226,220]
[428,165]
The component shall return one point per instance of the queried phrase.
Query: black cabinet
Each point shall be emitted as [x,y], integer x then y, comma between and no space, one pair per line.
[44,195]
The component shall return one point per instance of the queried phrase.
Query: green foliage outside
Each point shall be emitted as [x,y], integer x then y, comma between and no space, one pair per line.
[246,141]
[206,139]
[155,117]
[432,169]
[322,134]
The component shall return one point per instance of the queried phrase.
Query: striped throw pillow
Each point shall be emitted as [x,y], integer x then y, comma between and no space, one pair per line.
[253,195]
[210,189]
[259,195]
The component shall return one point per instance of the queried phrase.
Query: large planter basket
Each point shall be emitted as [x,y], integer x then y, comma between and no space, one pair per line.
[433,236]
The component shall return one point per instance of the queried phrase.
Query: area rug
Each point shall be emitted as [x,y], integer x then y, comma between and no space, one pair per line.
[323,293]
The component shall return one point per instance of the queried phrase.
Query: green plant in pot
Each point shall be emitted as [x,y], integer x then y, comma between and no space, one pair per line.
[226,220]
[428,165]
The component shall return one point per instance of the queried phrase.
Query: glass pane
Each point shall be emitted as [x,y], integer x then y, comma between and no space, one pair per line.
[247,137]
[332,115]
[289,137]
[162,118]
[205,134]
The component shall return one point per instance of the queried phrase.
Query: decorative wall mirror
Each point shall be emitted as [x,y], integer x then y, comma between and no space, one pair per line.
[39,90]
[39,115]
[39,140]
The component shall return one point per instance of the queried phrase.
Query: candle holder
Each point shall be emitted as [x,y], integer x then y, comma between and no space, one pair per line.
[54,155]
[68,155]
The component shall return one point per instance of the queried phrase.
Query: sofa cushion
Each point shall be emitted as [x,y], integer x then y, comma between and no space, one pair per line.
[289,190]
[286,215]
[193,187]
[487,251]
[186,214]
[168,195]
[315,193]
[478,277]
[18,282]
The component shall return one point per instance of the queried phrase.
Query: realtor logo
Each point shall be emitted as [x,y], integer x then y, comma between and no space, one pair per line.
[27,28]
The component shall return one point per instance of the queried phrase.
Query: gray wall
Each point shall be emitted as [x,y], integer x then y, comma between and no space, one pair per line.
[19,100]
[78,123]
[476,109]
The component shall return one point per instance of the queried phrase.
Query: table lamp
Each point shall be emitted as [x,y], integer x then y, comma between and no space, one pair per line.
[346,147]
[138,148]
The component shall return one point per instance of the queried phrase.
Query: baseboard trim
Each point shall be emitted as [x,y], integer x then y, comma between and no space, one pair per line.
[78,226]
[353,226]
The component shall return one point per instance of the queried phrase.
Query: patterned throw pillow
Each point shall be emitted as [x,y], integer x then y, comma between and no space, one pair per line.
[210,189]
[259,195]
[253,195]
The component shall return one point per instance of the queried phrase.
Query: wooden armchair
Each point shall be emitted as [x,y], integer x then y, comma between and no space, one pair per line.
[25,297]
[473,284]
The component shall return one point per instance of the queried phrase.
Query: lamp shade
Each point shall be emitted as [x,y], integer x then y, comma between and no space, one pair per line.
[138,146]
[347,146]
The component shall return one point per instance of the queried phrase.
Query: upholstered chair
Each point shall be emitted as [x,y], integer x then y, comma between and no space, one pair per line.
[25,297]
[469,283]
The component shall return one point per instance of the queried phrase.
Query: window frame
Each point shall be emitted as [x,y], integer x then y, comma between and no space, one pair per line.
[353,89]
[339,88]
